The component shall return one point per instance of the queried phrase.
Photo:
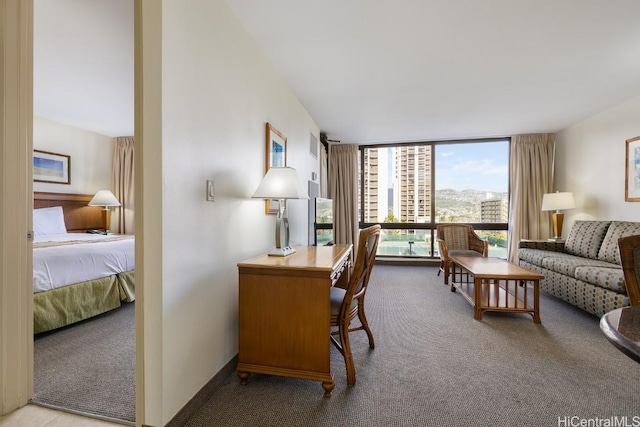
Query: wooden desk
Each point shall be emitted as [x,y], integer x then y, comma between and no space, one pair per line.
[284,313]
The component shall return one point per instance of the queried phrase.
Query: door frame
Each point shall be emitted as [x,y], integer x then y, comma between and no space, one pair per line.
[16,203]
[16,209]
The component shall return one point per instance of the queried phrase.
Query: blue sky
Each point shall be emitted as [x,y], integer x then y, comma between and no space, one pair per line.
[477,166]
[470,166]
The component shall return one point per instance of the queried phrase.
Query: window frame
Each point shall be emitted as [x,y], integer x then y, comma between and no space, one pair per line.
[431,225]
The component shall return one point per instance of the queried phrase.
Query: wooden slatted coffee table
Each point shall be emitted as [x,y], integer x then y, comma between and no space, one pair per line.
[493,284]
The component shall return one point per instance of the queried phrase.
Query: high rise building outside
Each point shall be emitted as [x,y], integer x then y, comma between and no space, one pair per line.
[397,180]
[494,210]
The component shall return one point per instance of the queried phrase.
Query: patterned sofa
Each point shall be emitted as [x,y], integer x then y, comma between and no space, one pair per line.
[585,270]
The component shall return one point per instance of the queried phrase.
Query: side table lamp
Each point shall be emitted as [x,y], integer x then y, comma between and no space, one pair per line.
[281,183]
[556,202]
[106,199]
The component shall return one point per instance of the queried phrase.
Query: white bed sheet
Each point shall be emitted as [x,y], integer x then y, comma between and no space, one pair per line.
[58,266]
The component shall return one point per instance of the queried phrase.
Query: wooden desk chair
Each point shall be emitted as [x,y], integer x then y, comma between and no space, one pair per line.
[458,239]
[348,303]
[630,259]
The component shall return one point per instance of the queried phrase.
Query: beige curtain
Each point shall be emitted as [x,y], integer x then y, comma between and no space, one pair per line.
[343,189]
[531,176]
[122,219]
[324,185]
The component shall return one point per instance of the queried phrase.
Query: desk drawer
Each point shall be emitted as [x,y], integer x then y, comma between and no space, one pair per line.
[341,274]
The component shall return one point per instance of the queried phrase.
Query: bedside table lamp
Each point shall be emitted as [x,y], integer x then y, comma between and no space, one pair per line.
[556,202]
[105,198]
[281,183]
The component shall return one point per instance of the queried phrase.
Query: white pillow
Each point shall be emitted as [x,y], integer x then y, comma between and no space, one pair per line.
[48,221]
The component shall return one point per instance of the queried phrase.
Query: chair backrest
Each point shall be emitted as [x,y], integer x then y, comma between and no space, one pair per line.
[630,260]
[365,257]
[456,235]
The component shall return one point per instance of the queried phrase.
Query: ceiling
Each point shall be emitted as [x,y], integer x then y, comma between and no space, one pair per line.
[83,64]
[369,72]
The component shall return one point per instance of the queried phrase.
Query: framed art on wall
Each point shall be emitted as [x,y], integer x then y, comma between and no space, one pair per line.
[313,146]
[51,167]
[276,156]
[632,169]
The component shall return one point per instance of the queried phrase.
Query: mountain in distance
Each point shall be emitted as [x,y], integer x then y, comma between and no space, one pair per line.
[462,205]
[448,198]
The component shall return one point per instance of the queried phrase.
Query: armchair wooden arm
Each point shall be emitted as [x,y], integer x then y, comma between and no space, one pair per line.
[478,245]
[443,249]
[630,259]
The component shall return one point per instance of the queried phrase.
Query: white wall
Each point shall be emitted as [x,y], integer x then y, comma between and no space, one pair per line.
[218,91]
[91,156]
[590,162]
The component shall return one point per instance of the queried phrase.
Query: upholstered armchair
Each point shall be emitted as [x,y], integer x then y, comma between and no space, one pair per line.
[458,239]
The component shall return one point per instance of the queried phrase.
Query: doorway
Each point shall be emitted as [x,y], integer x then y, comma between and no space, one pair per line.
[79,50]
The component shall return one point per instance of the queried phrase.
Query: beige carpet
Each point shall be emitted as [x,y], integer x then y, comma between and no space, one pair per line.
[89,367]
[435,366]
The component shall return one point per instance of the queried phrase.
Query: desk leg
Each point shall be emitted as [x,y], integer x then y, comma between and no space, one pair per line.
[328,387]
[244,376]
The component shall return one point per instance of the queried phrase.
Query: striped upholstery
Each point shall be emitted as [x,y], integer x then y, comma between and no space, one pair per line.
[464,252]
[456,238]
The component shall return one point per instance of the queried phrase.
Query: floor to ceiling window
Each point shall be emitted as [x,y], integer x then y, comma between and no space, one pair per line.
[410,188]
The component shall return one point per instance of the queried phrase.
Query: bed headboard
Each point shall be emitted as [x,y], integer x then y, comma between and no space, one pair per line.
[78,217]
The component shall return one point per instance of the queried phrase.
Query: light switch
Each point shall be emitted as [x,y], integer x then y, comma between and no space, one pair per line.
[211,191]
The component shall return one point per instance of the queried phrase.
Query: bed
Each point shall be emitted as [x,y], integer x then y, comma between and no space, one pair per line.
[76,275]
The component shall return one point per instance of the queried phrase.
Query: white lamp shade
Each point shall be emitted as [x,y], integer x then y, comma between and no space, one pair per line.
[280,183]
[104,198]
[558,201]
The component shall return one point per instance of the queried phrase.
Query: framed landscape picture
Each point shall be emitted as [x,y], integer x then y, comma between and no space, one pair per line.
[632,169]
[51,167]
[276,156]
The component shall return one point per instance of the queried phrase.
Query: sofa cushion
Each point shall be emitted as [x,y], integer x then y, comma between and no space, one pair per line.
[591,298]
[608,278]
[585,238]
[464,252]
[567,264]
[535,256]
[609,250]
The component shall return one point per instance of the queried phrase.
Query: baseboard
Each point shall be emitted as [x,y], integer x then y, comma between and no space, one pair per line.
[413,261]
[203,395]
[83,414]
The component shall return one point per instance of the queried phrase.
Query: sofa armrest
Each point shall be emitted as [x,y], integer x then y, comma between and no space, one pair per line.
[544,245]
